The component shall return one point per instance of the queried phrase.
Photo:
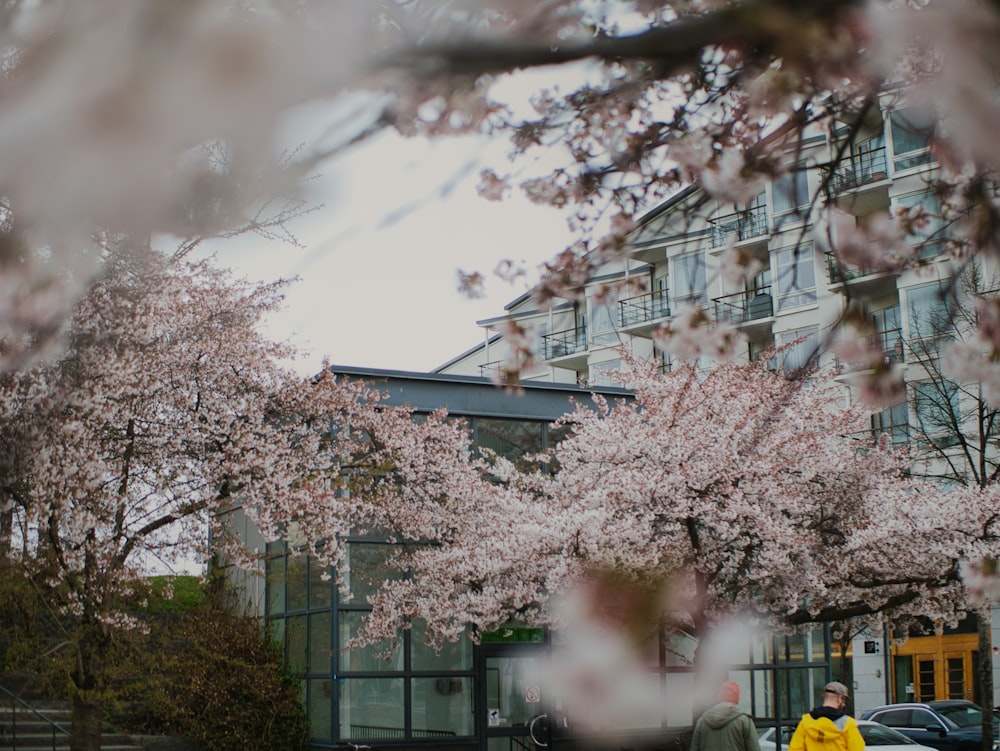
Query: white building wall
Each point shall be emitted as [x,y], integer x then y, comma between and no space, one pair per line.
[871,672]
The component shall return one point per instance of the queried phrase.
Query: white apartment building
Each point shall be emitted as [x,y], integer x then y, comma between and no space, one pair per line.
[801,291]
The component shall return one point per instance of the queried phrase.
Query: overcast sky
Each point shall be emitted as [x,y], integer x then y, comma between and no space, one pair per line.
[378,283]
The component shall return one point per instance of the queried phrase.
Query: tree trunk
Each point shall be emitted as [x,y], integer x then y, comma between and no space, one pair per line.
[88,717]
[984,675]
[88,705]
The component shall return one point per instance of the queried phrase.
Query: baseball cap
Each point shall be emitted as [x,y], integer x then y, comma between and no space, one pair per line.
[834,687]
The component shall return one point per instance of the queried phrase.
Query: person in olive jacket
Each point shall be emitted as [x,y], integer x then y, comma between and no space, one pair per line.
[828,727]
[725,727]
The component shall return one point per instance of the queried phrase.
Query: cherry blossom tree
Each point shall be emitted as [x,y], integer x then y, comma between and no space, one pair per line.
[167,407]
[732,492]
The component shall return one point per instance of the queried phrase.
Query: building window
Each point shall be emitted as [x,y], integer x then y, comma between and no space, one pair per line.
[603,317]
[515,440]
[936,409]
[795,277]
[800,354]
[790,191]
[893,422]
[912,129]
[372,708]
[600,373]
[870,159]
[928,237]
[690,285]
[888,333]
[929,320]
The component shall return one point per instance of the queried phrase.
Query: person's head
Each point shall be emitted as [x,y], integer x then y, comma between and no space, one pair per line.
[730,691]
[835,695]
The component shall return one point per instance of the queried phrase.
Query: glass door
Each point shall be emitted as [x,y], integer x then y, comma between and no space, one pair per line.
[926,670]
[958,668]
[512,703]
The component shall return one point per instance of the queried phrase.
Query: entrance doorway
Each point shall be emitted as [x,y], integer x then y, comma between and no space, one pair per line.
[511,703]
[935,667]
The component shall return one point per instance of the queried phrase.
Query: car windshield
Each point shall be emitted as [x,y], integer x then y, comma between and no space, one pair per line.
[880,735]
[964,715]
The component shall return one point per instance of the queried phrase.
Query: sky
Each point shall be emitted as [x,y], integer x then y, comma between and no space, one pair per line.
[377,276]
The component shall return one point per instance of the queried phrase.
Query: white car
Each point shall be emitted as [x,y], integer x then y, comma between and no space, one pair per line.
[874,733]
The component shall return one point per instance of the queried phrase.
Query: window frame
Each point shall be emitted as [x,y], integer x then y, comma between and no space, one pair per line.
[681,273]
[802,260]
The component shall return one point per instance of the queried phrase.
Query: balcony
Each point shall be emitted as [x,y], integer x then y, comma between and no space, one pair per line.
[890,342]
[859,170]
[871,279]
[744,307]
[491,369]
[639,313]
[743,225]
[564,344]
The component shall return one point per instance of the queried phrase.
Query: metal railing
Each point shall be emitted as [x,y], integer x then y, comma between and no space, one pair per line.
[860,169]
[490,369]
[745,224]
[741,307]
[644,308]
[890,341]
[840,272]
[384,732]
[15,702]
[562,343]
[887,341]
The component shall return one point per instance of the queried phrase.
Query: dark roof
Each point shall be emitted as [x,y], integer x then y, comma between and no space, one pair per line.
[479,397]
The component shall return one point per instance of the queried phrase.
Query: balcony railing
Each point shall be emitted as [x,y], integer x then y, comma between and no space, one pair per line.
[744,306]
[745,224]
[840,272]
[644,308]
[562,343]
[890,341]
[860,169]
[490,369]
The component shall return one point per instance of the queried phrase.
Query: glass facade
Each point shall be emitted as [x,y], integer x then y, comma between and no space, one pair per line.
[406,695]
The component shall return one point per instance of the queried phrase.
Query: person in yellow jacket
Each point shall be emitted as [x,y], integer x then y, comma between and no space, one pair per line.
[828,727]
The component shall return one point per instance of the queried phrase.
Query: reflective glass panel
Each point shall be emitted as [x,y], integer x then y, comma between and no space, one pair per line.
[800,690]
[296,643]
[368,658]
[511,439]
[320,651]
[452,655]
[276,585]
[371,708]
[320,591]
[320,708]
[441,707]
[296,582]
[364,569]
